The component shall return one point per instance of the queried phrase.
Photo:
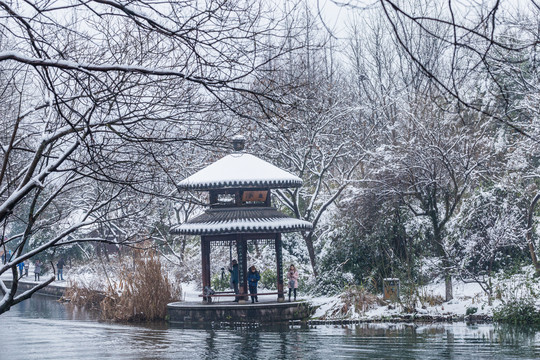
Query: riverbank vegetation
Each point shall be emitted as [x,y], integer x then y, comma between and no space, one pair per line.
[518,312]
[141,292]
[137,289]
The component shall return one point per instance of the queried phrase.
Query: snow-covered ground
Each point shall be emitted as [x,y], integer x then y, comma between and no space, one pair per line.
[467,296]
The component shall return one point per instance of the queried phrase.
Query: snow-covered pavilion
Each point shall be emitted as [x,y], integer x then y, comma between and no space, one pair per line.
[240,211]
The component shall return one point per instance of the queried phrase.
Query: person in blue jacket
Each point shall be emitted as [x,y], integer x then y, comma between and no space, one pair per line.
[234,277]
[253,279]
[21,269]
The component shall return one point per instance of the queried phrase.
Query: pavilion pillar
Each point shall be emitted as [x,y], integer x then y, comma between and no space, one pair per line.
[279,264]
[205,260]
[241,251]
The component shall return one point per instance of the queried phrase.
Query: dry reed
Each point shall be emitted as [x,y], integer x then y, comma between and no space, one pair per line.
[83,295]
[142,292]
[356,299]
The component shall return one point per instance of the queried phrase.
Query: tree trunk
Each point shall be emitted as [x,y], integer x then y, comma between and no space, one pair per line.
[183,248]
[449,292]
[490,290]
[530,241]
[448,287]
[308,238]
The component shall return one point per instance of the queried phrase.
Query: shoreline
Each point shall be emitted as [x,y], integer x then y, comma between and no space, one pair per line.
[57,291]
[412,319]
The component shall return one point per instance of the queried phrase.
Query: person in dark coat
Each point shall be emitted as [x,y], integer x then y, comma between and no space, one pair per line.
[234,277]
[253,279]
[60,268]
[37,270]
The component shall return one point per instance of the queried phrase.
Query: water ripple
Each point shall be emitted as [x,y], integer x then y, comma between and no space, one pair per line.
[44,329]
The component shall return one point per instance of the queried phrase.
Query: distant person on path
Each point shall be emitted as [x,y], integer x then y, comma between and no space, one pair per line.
[234,277]
[60,268]
[21,268]
[26,268]
[292,275]
[37,270]
[253,280]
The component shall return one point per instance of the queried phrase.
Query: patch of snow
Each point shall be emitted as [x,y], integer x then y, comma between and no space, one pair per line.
[191,291]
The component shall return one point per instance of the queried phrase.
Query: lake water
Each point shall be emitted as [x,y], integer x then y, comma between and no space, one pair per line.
[42,328]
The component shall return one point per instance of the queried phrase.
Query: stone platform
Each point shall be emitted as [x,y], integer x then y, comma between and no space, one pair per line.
[262,312]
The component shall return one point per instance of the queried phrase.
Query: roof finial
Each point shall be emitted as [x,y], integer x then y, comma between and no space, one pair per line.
[238,142]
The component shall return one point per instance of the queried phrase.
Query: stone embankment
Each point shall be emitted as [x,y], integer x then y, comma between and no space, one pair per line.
[53,290]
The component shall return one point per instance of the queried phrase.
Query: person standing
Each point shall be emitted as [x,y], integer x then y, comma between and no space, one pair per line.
[253,280]
[21,269]
[37,270]
[234,278]
[292,275]
[60,269]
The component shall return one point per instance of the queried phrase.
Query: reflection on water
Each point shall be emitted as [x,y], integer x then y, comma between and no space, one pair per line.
[44,307]
[45,329]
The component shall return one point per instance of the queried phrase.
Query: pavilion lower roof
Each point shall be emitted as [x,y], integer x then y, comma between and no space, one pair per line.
[241,221]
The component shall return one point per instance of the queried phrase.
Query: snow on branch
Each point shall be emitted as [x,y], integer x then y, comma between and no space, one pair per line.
[28,293]
[71,65]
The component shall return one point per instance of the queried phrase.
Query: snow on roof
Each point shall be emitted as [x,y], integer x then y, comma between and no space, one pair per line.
[242,220]
[243,227]
[240,170]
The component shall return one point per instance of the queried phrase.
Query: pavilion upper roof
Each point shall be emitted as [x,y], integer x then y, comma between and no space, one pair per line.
[241,221]
[240,170]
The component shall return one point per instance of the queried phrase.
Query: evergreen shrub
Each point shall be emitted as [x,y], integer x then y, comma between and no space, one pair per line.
[471,310]
[517,311]
[268,279]
[332,283]
[220,284]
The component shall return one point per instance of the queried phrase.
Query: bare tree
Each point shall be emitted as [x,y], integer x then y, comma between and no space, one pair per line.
[479,41]
[433,172]
[99,95]
[314,132]
[489,226]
